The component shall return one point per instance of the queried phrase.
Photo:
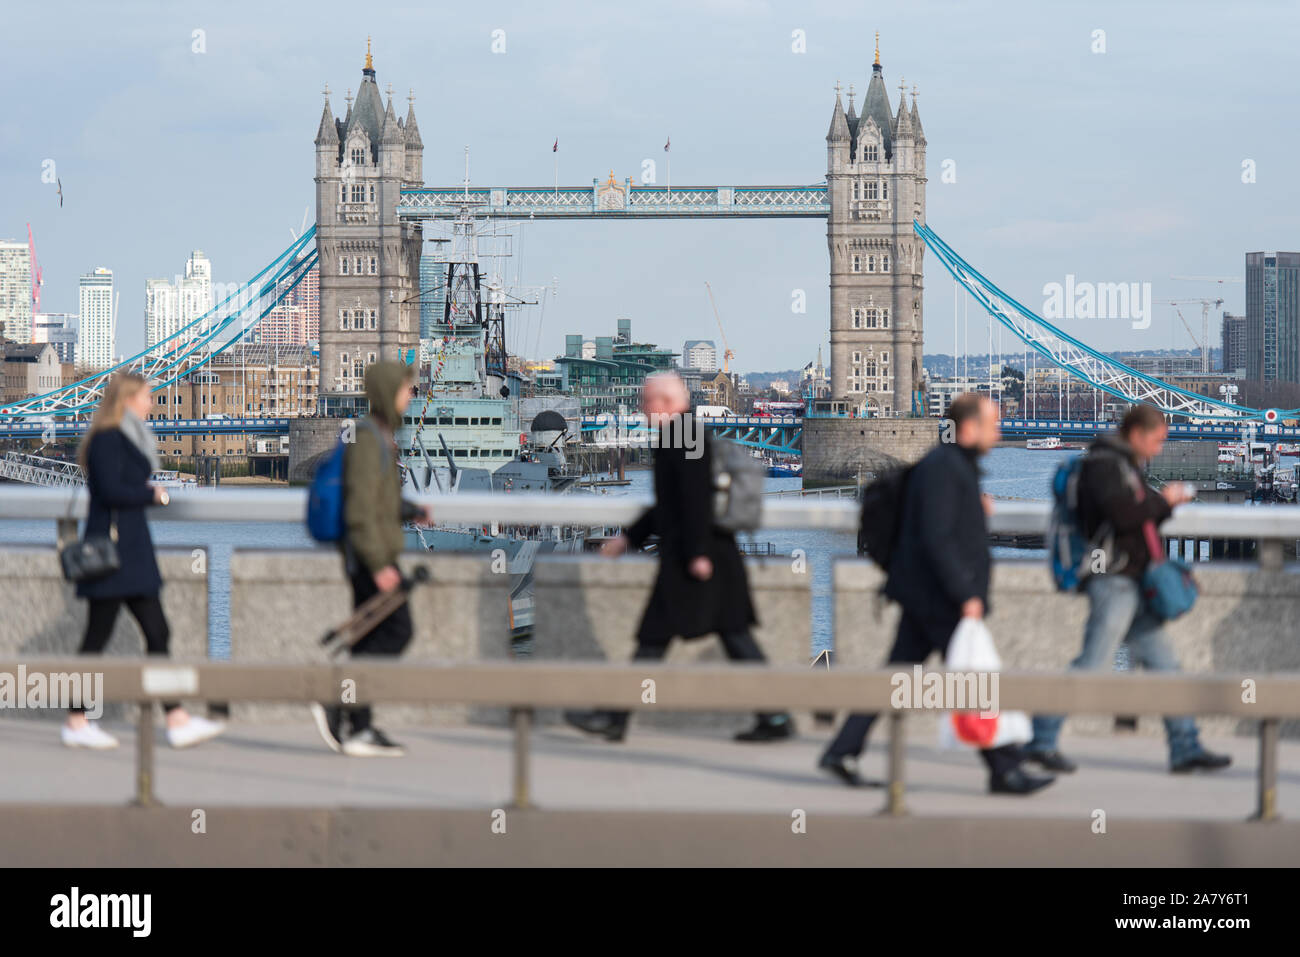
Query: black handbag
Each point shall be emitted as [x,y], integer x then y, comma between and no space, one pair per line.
[91,558]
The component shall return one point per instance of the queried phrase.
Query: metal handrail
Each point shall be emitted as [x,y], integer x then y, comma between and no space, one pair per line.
[1262,523]
[525,686]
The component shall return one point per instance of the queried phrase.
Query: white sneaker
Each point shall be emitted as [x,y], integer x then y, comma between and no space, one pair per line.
[372,743]
[88,737]
[194,731]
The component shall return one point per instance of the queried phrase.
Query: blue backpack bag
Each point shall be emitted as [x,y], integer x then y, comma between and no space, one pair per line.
[1069,552]
[325,497]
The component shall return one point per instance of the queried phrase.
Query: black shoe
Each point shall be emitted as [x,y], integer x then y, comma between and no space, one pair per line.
[1016,781]
[329,722]
[775,728]
[845,769]
[1201,760]
[1052,760]
[603,724]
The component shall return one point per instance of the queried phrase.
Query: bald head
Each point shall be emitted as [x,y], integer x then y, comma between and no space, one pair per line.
[664,393]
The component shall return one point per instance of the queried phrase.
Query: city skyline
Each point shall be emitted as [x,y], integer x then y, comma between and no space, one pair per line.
[1102,167]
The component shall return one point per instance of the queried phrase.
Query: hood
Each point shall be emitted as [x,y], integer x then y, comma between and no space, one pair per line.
[1114,443]
[383,379]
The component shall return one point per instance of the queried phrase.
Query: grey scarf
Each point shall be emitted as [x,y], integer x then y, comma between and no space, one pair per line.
[141,436]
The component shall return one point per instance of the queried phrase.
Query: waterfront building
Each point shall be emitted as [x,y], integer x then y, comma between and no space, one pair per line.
[59,329]
[98,319]
[700,354]
[606,373]
[1273,316]
[29,369]
[16,290]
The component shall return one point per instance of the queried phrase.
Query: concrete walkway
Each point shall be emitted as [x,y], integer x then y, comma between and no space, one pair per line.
[470,767]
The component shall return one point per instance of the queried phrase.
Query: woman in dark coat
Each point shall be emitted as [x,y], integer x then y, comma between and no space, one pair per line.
[701,587]
[119,457]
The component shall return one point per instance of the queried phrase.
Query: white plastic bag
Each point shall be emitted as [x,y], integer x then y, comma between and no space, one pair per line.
[971,649]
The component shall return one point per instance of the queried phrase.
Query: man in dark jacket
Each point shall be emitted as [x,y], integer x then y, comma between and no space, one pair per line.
[701,587]
[373,513]
[1120,512]
[939,573]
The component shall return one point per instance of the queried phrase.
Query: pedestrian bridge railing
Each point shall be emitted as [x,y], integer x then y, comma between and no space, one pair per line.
[525,687]
[1264,523]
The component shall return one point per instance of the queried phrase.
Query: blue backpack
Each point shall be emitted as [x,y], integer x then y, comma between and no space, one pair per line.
[1068,551]
[325,497]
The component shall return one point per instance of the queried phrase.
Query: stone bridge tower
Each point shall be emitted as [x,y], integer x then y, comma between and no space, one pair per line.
[875,175]
[369,261]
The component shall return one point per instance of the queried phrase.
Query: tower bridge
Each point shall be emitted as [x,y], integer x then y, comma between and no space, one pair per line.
[372,205]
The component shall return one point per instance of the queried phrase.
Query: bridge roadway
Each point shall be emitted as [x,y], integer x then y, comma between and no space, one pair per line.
[464,772]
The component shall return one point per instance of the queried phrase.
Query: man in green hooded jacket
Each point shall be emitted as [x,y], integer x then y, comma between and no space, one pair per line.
[373,513]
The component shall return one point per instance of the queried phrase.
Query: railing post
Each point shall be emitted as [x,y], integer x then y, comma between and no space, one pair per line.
[144,796]
[1269,553]
[894,805]
[1268,741]
[522,719]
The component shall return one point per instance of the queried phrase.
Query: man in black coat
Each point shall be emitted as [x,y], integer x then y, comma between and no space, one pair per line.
[701,587]
[939,573]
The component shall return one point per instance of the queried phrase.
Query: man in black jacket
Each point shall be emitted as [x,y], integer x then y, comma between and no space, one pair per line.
[701,587]
[1120,512]
[939,573]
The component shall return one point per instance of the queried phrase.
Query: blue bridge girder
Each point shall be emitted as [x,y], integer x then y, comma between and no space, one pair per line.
[611,200]
[61,428]
[1184,431]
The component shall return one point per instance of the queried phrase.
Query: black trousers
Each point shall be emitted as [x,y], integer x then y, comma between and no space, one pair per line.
[389,637]
[738,646]
[148,613]
[917,638]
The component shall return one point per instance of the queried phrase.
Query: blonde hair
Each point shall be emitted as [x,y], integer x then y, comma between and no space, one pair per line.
[112,405]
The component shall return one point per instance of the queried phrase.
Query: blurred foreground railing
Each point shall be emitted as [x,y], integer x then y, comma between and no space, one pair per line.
[524,687]
[1272,523]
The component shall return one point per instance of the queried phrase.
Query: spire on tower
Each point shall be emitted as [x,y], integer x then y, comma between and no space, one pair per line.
[875,68]
[412,130]
[369,69]
[839,131]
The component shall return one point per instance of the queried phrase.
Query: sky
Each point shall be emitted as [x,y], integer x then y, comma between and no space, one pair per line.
[1117,166]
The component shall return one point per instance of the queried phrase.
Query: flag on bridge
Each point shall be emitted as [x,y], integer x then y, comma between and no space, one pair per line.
[668,144]
[556,147]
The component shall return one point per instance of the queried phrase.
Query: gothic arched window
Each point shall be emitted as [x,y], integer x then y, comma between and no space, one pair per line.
[870,153]
[358,156]
[884,264]
[871,264]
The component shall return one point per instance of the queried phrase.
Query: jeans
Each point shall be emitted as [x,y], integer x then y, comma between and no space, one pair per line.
[1118,612]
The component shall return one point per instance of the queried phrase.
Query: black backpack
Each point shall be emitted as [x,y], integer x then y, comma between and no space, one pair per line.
[882,513]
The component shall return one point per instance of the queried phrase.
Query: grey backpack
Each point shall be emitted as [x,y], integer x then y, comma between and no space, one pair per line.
[738,487]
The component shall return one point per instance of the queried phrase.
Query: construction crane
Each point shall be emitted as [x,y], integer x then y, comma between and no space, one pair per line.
[727,354]
[1204,344]
[38,279]
[1205,312]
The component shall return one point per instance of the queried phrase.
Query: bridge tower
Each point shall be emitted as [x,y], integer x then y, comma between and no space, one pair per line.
[369,260]
[875,176]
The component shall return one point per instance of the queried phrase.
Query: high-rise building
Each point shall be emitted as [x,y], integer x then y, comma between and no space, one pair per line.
[369,259]
[1273,316]
[1234,353]
[59,329]
[98,319]
[169,308]
[160,314]
[700,354]
[16,290]
[875,177]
